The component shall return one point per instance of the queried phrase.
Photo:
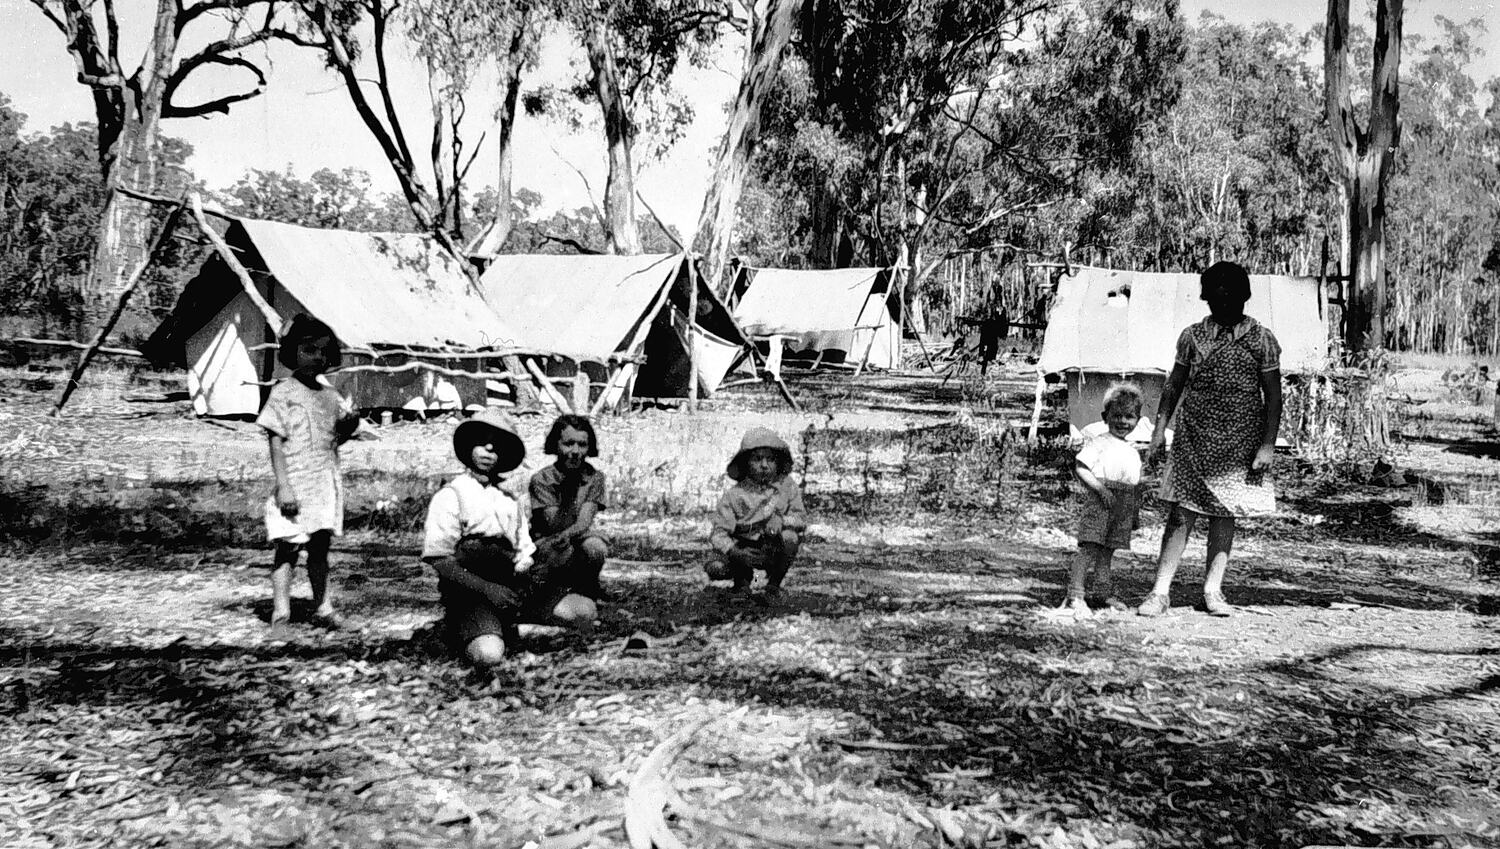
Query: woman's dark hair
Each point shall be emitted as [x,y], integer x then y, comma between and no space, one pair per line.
[1228,276]
[575,422]
[301,328]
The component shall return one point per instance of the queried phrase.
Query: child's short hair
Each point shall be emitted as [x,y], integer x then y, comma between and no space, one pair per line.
[576,422]
[301,328]
[1229,276]
[1124,395]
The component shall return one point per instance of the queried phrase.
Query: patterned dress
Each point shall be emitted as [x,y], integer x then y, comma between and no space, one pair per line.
[1220,420]
[305,419]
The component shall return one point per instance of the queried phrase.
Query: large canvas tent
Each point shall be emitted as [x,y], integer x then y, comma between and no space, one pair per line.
[838,315]
[621,319]
[395,292]
[1108,325]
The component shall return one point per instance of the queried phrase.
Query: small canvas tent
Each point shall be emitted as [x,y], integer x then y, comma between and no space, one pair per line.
[389,291]
[839,315]
[621,319]
[1108,325]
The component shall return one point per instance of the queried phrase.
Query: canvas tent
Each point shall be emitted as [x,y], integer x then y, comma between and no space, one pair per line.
[621,319]
[837,315]
[1107,325]
[397,292]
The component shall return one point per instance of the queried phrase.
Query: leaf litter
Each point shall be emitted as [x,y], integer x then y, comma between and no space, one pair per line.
[907,693]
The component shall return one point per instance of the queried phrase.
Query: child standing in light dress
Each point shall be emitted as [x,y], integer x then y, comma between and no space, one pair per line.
[305,420]
[1109,469]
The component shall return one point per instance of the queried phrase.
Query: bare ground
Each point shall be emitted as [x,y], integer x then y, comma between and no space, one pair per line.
[915,689]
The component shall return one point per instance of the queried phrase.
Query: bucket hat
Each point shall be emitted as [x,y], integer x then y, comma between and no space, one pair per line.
[490,424]
[759,437]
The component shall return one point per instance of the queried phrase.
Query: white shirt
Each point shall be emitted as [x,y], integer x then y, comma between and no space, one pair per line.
[466,507]
[1111,459]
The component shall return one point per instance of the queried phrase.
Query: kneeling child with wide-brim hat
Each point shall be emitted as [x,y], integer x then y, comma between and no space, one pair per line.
[478,542]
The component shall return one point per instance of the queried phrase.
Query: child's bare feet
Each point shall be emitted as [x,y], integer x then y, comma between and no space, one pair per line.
[281,628]
[1078,607]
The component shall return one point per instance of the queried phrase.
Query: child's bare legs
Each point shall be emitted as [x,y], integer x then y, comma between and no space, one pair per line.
[1095,558]
[281,582]
[781,560]
[317,574]
[738,565]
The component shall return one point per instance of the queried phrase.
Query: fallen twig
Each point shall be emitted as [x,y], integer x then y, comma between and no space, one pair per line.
[644,824]
[885,746]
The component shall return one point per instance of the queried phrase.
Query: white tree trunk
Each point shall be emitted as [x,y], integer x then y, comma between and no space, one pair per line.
[771,31]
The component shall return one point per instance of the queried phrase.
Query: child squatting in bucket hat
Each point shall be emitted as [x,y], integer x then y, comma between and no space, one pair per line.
[760,520]
[478,542]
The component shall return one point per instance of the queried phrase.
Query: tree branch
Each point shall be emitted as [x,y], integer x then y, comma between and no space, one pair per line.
[378,17]
[51,16]
[1338,102]
[220,104]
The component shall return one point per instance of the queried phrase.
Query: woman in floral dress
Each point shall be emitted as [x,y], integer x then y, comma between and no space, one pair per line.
[1225,388]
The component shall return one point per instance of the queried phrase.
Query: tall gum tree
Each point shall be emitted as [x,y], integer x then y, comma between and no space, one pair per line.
[1364,157]
[633,46]
[130,104]
[772,23]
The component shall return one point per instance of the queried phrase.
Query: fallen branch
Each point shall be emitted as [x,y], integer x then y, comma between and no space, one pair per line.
[645,826]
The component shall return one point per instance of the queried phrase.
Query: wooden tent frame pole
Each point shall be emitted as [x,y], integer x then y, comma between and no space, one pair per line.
[694,280]
[87,356]
[226,253]
[1036,408]
[906,322]
[546,386]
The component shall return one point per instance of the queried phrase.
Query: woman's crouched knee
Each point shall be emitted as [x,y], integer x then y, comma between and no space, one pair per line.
[791,541]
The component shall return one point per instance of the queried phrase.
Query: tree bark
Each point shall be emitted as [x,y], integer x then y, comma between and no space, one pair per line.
[1364,159]
[510,67]
[129,145]
[771,31]
[621,236]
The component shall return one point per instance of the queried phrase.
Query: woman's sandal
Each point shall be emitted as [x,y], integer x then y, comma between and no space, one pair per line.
[281,629]
[329,621]
[1154,605]
[1214,604]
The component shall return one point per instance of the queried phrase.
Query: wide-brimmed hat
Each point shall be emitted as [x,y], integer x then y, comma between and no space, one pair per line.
[760,437]
[490,425]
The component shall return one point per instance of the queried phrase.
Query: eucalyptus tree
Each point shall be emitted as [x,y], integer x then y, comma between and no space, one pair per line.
[131,102]
[911,125]
[1364,155]
[633,47]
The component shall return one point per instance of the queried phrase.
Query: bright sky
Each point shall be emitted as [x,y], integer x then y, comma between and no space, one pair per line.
[304,119]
